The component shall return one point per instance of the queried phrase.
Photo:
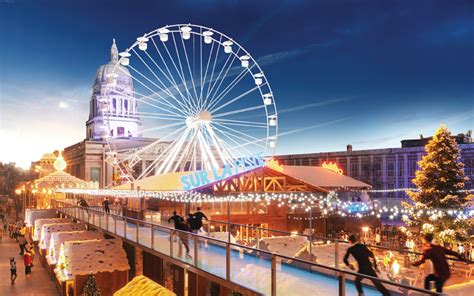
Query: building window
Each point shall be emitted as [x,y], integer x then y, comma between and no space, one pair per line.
[120,131]
[354,169]
[400,168]
[412,168]
[390,169]
[95,174]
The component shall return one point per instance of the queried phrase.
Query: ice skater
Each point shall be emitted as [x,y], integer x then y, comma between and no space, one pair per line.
[106,205]
[437,255]
[362,255]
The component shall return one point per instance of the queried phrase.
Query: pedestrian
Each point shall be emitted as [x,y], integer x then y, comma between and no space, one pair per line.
[22,244]
[27,262]
[177,219]
[437,255]
[31,250]
[12,270]
[199,216]
[183,236]
[362,255]
[106,205]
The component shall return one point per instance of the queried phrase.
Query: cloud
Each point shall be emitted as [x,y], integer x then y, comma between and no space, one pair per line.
[33,122]
[317,104]
[273,58]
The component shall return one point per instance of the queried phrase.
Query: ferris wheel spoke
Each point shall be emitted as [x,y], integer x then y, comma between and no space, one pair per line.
[231,138]
[217,79]
[163,88]
[232,130]
[216,99]
[209,156]
[234,99]
[161,127]
[150,97]
[169,160]
[171,76]
[183,76]
[238,111]
[190,72]
[213,68]
[155,162]
[156,93]
[219,145]
[203,82]
[224,77]
[263,126]
[142,100]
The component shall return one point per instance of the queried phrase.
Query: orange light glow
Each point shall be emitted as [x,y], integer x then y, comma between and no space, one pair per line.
[332,166]
[274,165]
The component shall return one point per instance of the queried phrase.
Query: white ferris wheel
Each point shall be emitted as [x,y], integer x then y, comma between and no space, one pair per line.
[200,95]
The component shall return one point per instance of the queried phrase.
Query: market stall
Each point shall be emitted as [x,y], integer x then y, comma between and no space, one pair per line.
[106,260]
[47,230]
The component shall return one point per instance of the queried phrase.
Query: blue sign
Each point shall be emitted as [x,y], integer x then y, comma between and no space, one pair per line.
[241,165]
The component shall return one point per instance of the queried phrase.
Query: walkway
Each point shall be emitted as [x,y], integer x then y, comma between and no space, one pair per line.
[246,268]
[38,284]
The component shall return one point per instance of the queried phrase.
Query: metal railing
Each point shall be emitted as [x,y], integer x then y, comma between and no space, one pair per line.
[165,244]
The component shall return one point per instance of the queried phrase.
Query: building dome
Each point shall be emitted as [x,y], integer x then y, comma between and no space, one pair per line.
[124,80]
[113,108]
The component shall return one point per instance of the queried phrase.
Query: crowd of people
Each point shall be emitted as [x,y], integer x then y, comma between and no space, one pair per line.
[16,230]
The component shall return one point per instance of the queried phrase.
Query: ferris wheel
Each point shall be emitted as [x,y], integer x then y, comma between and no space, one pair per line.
[200,96]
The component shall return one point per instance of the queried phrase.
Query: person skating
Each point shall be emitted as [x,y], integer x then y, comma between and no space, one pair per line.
[437,255]
[13,275]
[83,203]
[362,255]
[194,223]
[183,235]
[27,262]
[106,205]
[177,219]
[199,216]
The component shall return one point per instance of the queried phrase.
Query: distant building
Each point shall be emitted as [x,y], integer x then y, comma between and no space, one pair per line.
[388,168]
[89,159]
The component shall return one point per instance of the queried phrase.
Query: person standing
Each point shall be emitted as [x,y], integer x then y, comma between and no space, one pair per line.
[12,270]
[106,205]
[27,262]
[437,255]
[362,255]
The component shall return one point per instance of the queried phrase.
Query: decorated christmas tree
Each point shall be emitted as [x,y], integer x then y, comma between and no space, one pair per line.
[440,203]
[90,288]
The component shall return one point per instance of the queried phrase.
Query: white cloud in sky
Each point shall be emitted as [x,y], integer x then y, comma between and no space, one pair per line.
[38,119]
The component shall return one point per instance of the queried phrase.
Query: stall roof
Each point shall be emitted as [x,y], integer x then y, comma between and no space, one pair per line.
[92,256]
[141,285]
[321,177]
[314,176]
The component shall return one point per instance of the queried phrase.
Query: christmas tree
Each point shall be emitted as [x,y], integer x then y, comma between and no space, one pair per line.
[440,201]
[90,288]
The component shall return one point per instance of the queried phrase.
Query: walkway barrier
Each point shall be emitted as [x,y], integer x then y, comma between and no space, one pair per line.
[258,270]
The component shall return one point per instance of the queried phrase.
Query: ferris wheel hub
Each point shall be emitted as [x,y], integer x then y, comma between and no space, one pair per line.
[204,117]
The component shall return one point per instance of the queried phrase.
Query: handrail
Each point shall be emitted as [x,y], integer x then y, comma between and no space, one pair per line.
[273,255]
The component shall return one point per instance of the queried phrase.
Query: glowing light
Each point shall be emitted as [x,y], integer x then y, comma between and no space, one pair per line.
[332,166]
[274,165]
[59,163]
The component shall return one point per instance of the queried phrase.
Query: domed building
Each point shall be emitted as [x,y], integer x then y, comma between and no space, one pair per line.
[113,109]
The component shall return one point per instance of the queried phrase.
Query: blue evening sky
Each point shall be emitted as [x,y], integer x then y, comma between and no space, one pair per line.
[369,73]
